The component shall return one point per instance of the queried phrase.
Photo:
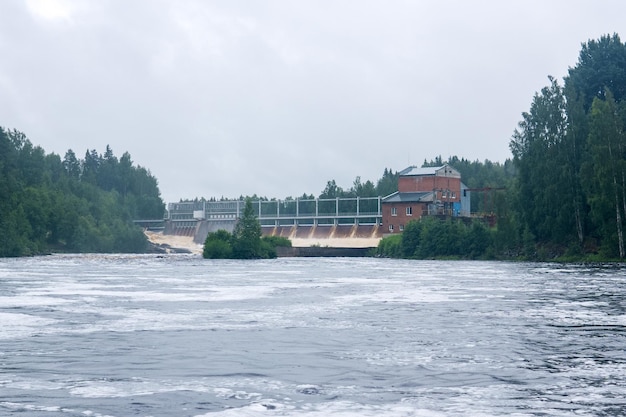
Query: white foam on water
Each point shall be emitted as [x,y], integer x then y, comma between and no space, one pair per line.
[573,314]
[18,407]
[325,409]
[227,393]
[56,409]
[402,295]
[115,390]
[30,300]
[386,357]
[16,325]
[133,387]
[30,384]
[55,294]
[137,387]
[140,319]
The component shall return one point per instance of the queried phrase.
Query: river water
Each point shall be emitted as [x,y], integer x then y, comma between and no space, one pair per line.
[125,335]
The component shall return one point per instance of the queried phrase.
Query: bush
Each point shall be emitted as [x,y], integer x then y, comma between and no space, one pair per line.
[218,245]
[277,241]
[390,247]
[268,251]
[430,238]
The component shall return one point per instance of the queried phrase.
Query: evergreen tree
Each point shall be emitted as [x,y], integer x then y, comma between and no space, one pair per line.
[601,66]
[247,235]
[539,149]
[606,172]
[71,165]
[388,183]
[332,190]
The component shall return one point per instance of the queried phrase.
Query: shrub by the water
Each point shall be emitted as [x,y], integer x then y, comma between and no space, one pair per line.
[245,242]
[218,245]
[430,237]
[277,241]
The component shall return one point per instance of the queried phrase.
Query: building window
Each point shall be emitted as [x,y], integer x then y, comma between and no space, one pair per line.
[409,211]
[391,228]
[394,211]
[401,227]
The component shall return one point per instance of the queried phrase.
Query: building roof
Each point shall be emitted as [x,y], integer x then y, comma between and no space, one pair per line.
[413,170]
[444,170]
[417,197]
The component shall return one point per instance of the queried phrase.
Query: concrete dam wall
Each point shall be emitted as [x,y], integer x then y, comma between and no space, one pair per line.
[324,232]
[346,236]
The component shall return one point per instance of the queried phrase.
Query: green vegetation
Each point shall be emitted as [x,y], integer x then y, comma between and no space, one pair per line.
[566,185]
[431,238]
[218,245]
[570,150]
[71,205]
[245,242]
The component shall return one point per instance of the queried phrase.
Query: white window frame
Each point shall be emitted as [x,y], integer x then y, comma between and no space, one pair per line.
[394,211]
[409,211]
[391,228]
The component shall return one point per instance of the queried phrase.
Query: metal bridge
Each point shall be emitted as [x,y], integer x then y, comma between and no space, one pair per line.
[274,213]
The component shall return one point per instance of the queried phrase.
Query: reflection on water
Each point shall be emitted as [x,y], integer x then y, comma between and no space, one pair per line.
[122,335]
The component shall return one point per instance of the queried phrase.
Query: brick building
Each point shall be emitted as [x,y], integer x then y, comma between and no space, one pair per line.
[425,191]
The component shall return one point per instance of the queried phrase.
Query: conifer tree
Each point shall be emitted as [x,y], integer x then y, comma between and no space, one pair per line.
[247,235]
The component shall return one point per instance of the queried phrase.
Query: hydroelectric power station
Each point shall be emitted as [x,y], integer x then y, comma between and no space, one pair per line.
[292,218]
[427,191]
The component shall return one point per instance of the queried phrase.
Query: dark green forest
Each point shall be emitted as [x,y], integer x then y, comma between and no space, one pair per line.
[49,203]
[570,151]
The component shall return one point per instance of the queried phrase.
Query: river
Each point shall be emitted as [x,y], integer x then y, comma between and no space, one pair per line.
[176,335]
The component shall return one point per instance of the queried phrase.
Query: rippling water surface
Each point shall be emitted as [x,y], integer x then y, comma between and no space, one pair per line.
[177,336]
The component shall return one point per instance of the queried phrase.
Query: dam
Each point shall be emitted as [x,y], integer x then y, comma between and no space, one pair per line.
[347,222]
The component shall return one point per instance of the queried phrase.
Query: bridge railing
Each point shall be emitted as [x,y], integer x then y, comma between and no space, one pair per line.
[360,210]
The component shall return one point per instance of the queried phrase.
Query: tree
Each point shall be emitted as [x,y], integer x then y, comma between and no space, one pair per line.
[606,172]
[107,174]
[574,151]
[218,245]
[332,190]
[601,66]
[90,166]
[360,189]
[411,238]
[71,165]
[247,235]
[539,148]
[388,183]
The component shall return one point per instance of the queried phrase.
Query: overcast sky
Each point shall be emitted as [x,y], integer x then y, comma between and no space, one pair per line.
[276,97]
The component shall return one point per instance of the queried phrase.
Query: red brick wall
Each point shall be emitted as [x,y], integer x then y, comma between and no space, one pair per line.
[413,184]
[401,218]
[430,183]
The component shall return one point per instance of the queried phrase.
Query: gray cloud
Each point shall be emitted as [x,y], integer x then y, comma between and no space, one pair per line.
[223,98]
